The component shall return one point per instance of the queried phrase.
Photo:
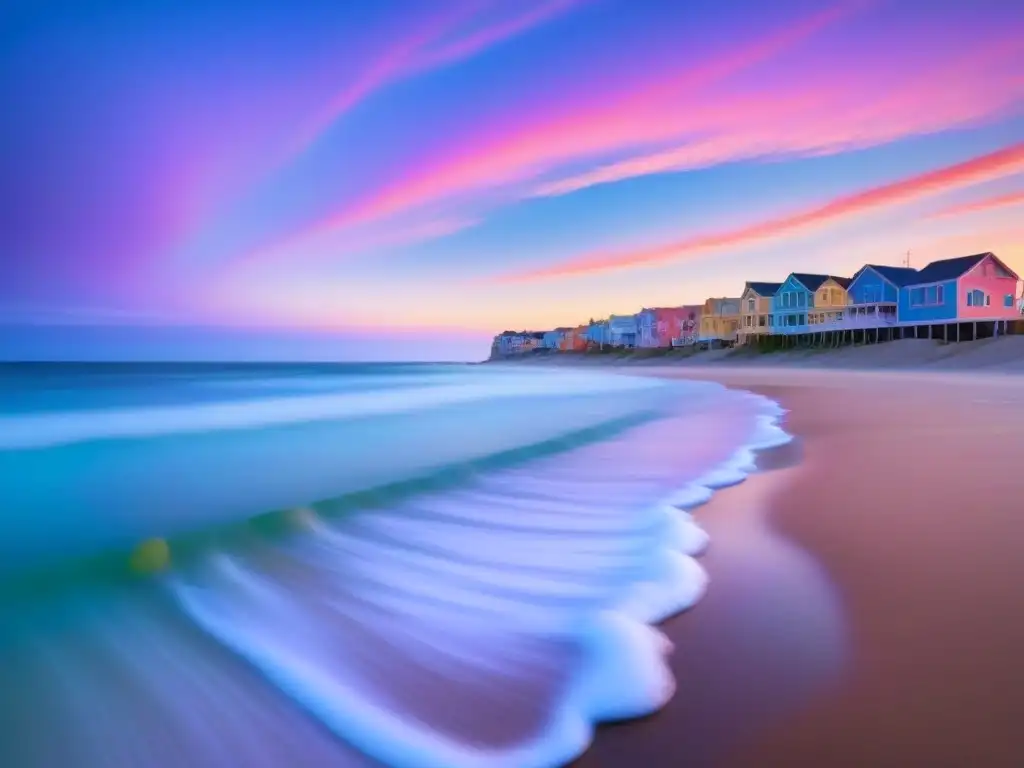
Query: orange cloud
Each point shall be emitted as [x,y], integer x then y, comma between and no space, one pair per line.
[1003,162]
[999,201]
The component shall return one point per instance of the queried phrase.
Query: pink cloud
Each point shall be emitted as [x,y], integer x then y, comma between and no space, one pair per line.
[1003,162]
[312,248]
[987,204]
[636,119]
[844,114]
[497,33]
[411,54]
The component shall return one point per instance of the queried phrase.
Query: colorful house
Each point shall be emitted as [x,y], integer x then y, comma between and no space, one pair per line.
[598,334]
[647,328]
[622,330]
[873,297]
[978,288]
[553,339]
[755,310]
[509,343]
[719,322]
[533,340]
[686,325]
[574,339]
[805,302]
[656,327]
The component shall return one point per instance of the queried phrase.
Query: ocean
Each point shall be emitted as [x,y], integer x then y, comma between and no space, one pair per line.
[402,565]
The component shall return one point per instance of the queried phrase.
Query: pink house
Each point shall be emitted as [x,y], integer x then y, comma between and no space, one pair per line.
[657,327]
[988,291]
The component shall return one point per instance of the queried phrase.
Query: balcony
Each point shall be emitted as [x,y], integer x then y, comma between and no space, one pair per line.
[848,318]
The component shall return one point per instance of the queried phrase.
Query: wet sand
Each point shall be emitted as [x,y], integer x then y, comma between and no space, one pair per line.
[908,510]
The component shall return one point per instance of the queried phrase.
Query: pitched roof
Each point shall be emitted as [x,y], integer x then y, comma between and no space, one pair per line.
[947,269]
[814,282]
[898,276]
[764,289]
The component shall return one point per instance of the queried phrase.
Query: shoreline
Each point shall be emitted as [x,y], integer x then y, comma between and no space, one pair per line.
[923,561]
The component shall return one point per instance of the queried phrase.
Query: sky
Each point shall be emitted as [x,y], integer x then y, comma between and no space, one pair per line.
[402,179]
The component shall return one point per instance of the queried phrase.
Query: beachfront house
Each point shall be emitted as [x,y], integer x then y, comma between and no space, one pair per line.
[687,325]
[553,339]
[658,326]
[598,334]
[509,343]
[719,323]
[647,328]
[622,330]
[968,297]
[873,297]
[805,302]
[574,339]
[755,309]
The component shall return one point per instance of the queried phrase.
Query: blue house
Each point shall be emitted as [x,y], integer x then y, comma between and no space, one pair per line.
[599,333]
[931,295]
[553,339]
[873,296]
[804,302]
[975,289]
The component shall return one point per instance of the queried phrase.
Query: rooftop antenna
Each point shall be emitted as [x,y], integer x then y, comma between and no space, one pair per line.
[906,261]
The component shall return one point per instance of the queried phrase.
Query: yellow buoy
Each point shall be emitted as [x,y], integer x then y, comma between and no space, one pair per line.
[151,556]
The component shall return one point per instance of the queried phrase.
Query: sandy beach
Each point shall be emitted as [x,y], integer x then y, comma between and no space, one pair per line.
[907,505]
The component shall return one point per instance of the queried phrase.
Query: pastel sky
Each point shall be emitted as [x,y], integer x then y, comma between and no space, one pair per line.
[401,179]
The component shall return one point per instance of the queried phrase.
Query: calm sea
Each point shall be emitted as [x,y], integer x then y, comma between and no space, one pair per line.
[409,565]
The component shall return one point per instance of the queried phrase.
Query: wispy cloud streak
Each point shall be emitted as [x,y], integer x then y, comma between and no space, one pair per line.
[1003,162]
[411,55]
[643,116]
[987,204]
[844,115]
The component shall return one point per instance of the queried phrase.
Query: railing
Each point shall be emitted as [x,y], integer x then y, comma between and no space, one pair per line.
[851,320]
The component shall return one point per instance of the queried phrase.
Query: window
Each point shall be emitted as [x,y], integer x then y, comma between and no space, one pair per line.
[760,321]
[747,321]
[750,305]
[1008,300]
[929,296]
[978,298]
[771,321]
[801,300]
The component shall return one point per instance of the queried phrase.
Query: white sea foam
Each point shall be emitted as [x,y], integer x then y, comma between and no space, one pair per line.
[41,430]
[523,598]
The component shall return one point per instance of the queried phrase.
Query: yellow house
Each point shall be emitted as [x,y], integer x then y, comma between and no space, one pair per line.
[719,322]
[755,309]
[830,300]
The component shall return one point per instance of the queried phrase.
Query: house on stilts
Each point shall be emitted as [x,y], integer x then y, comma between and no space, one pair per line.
[961,299]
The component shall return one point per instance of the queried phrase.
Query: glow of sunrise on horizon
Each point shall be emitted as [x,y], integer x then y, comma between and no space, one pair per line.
[440,172]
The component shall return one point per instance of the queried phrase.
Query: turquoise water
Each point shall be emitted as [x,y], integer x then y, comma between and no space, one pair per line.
[411,565]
